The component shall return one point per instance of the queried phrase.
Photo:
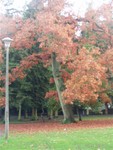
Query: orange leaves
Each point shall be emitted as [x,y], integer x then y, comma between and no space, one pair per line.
[17,72]
[29,61]
[26,63]
[107,59]
[24,38]
[52,94]
[8,26]
[104,97]
[86,79]
[97,26]
[1,76]
[56,33]
[2,90]
[51,80]
[50,28]
[2,101]
[65,75]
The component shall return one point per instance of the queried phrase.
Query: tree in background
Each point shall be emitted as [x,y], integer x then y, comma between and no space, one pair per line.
[31,91]
[34,30]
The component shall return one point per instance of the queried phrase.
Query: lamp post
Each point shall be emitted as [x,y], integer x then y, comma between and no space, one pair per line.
[7,42]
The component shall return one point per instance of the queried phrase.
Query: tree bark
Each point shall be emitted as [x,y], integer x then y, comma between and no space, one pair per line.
[79,114]
[106,109]
[56,113]
[87,111]
[66,108]
[19,112]
[26,114]
[35,114]
[51,114]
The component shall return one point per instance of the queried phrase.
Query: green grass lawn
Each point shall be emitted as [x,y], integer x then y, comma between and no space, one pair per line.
[60,118]
[84,139]
[97,117]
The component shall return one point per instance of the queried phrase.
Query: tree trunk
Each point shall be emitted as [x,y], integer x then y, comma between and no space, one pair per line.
[51,114]
[56,113]
[26,114]
[69,118]
[66,108]
[87,111]
[19,112]
[35,114]
[106,109]
[79,114]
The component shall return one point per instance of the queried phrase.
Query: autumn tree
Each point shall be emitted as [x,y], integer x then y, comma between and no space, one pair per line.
[50,42]
[56,35]
[96,28]
[87,77]
[28,93]
[97,32]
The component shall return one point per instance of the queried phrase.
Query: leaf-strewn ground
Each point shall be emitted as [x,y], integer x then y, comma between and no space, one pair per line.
[93,133]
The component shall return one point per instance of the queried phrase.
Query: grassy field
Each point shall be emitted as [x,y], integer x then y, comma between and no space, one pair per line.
[97,117]
[82,139]
[60,118]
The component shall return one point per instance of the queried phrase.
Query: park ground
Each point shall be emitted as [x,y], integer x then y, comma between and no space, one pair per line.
[93,133]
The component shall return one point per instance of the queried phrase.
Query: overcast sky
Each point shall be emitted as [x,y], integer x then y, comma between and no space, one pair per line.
[19,4]
[78,5]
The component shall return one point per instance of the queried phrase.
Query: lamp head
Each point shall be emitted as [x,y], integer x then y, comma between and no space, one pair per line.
[7,41]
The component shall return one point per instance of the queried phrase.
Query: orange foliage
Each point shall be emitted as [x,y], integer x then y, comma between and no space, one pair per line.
[2,90]
[65,75]
[86,79]
[51,80]
[26,63]
[2,101]
[98,24]
[52,94]
[55,33]
[9,26]
[105,98]
[24,38]
[107,59]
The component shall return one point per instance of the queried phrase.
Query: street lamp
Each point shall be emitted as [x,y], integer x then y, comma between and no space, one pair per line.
[7,42]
